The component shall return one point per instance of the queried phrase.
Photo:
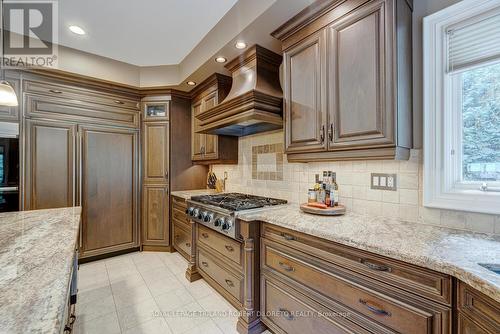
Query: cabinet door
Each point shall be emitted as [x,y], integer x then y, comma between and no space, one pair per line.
[197,139]
[109,186]
[155,223]
[305,95]
[210,147]
[360,78]
[50,164]
[155,151]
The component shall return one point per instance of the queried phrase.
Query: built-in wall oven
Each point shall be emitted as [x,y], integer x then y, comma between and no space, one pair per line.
[9,167]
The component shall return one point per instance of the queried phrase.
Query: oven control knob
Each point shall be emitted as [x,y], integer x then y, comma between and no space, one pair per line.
[200,215]
[227,225]
[218,222]
[189,211]
[208,217]
[194,213]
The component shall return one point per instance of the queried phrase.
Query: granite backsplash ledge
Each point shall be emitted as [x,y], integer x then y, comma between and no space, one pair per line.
[262,161]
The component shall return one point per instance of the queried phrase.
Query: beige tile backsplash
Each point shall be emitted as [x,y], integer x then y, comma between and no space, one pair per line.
[354,185]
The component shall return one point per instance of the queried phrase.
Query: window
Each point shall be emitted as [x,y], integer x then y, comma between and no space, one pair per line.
[462,107]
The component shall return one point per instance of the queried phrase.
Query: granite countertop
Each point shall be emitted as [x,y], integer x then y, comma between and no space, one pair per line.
[36,257]
[186,194]
[445,250]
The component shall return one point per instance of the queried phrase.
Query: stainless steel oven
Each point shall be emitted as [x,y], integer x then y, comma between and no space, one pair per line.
[9,167]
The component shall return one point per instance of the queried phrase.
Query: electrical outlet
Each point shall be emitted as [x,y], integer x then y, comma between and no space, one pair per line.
[384,181]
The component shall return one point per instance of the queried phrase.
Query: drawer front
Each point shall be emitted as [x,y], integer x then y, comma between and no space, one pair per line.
[285,310]
[80,94]
[225,247]
[479,307]
[466,326]
[73,110]
[417,280]
[388,311]
[180,216]
[179,203]
[228,281]
[182,240]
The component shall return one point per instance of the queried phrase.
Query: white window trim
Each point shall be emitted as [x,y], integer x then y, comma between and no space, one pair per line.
[440,167]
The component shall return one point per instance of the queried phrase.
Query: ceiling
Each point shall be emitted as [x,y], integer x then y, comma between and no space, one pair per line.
[142,33]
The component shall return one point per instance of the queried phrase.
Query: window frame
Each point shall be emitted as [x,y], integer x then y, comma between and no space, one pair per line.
[443,184]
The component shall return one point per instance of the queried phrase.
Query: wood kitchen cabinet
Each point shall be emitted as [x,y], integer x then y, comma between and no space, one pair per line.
[477,313]
[82,148]
[155,152]
[347,81]
[155,216]
[50,155]
[205,148]
[109,177]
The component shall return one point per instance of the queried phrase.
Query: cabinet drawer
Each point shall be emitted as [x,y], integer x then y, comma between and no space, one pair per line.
[179,203]
[79,94]
[394,311]
[225,247]
[215,270]
[466,326]
[417,280]
[74,110]
[479,307]
[285,310]
[180,216]
[182,240]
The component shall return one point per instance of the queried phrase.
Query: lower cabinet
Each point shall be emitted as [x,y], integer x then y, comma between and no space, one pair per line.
[477,313]
[155,232]
[109,178]
[181,227]
[297,278]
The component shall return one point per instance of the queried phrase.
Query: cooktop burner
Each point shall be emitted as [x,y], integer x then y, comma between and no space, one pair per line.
[236,201]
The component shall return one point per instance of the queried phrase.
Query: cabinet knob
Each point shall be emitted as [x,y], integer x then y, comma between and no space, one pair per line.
[205,264]
[229,283]
[330,134]
[322,133]
[119,102]
[286,314]
[55,91]
[374,309]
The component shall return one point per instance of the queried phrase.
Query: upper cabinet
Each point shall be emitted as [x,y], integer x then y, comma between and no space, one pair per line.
[347,81]
[206,148]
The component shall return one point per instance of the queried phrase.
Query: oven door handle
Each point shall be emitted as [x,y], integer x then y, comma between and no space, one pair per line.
[2,189]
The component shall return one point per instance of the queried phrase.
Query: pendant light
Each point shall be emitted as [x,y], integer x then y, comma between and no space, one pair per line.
[8,96]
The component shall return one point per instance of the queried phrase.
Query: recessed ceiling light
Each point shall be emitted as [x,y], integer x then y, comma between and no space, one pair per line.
[240,45]
[220,59]
[77,30]
[191,83]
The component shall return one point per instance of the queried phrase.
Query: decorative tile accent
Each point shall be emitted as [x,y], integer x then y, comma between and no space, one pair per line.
[267,162]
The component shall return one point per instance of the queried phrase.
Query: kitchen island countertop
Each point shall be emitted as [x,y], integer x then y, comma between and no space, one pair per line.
[37,250]
[446,250]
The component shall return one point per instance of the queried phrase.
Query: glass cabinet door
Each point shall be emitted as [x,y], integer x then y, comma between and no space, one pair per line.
[155,110]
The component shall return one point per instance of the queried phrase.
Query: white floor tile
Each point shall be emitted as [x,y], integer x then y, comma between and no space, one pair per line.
[133,295]
[208,327]
[105,324]
[161,273]
[134,315]
[89,295]
[174,299]
[160,287]
[184,318]
[199,289]
[154,326]
[126,282]
[95,309]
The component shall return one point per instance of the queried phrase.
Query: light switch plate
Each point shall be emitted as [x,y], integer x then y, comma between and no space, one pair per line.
[383,181]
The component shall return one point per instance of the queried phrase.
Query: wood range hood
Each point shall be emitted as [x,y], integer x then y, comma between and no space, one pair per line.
[254,103]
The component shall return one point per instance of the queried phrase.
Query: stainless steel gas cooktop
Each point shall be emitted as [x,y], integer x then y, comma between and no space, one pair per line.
[218,211]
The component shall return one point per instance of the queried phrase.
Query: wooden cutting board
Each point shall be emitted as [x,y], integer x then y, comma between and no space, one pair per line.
[335,211]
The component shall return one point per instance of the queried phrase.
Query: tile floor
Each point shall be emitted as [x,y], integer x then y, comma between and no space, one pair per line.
[147,293]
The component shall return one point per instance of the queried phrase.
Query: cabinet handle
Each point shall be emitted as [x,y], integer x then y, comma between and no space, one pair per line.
[188,244]
[330,134]
[322,133]
[204,235]
[119,102]
[229,248]
[286,314]
[375,309]
[286,267]
[229,283]
[166,174]
[55,91]
[375,266]
[287,236]
[205,264]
